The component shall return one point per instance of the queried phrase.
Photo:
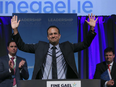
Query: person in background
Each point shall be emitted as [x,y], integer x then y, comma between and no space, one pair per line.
[108,65]
[12,67]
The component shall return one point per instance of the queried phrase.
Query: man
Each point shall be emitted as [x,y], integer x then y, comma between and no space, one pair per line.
[102,67]
[12,67]
[46,66]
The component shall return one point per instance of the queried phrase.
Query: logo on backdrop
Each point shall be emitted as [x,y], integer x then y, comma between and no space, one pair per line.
[7,7]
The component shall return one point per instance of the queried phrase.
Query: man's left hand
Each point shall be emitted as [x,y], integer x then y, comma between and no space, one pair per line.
[92,20]
[21,63]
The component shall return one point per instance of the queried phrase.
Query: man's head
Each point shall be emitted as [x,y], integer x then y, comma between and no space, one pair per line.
[53,35]
[12,48]
[109,54]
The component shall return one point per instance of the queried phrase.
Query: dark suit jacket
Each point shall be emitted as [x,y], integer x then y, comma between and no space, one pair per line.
[6,79]
[68,49]
[102,67]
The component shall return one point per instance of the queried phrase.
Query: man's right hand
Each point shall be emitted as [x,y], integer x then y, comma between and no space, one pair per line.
[110,83]
[11,64]
[15,24]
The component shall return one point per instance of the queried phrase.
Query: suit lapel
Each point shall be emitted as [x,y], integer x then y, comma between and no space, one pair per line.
[113,69]
[7,59]
[42,59]
[42,56]
[46,49]
[69,60]
[63,52]
[66,57]
[17,64]
[105,66]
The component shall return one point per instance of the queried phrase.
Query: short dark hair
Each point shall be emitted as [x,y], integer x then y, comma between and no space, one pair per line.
[53,27]
[9,42]
[109,49]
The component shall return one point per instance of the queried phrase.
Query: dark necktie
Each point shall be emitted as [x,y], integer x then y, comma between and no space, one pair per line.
[54,64]
[14,80]
[109,67]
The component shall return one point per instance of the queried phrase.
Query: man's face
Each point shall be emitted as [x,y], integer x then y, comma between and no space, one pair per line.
[109,56]
[53,36]
[12,48]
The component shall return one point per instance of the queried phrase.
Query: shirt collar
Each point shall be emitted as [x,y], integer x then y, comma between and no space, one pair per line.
[110,63]
[57,46]
[11,56]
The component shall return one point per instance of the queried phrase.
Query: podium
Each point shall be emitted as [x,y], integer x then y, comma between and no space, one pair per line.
[43,83]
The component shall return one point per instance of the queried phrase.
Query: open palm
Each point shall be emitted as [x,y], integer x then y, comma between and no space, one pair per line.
[92,20]
[14,23]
